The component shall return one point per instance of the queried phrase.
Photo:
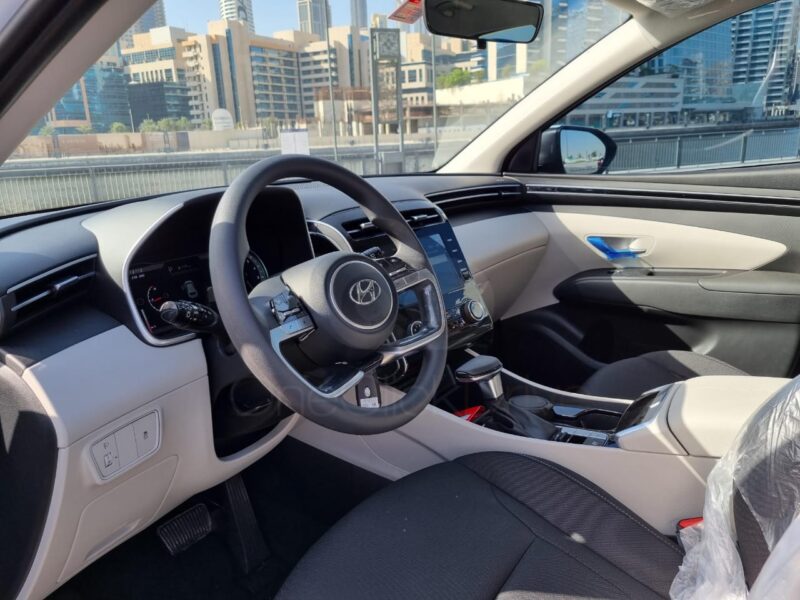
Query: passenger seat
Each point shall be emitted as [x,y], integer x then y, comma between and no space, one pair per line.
[631,377]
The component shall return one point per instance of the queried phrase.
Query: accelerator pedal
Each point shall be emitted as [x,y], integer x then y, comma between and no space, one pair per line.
[186,529]
[243,533]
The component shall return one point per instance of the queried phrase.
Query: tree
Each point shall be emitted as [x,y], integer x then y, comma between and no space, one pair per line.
[479,76]
[148,126]
[118,127]
[165,125]
[48,129]
[84,129]
[206,124]
[183,124]
[455,78]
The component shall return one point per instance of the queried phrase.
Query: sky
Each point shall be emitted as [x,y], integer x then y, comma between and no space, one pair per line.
[270,15]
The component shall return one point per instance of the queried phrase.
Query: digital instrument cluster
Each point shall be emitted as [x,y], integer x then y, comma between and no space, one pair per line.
[187,278]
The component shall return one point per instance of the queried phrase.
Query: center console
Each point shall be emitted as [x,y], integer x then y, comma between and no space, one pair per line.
[697,417]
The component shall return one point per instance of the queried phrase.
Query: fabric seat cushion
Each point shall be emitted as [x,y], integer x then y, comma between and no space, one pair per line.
[631,377]
[488,525]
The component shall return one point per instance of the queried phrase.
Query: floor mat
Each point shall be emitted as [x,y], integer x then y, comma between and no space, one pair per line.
[297,493]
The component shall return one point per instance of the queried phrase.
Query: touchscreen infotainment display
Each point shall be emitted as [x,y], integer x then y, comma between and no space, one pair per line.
[443,266]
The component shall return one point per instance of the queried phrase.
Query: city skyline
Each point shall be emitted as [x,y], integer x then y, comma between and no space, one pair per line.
[193,15]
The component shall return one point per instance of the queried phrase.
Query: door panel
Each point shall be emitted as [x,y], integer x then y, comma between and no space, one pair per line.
[710,278]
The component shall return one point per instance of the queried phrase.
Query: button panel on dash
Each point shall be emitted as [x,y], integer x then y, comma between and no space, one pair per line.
[127,445]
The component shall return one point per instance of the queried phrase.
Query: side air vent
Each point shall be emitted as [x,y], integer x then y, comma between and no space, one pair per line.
[361,229]
[29,299]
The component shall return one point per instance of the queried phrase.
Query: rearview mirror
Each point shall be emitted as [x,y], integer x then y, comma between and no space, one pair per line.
[515,21]
[575,151]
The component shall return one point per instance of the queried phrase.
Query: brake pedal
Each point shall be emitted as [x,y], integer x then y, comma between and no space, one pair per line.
[186,529]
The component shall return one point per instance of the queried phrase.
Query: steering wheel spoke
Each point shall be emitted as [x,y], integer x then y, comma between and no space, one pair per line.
[424,284]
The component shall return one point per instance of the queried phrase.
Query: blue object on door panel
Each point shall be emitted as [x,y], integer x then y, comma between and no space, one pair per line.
[612,253]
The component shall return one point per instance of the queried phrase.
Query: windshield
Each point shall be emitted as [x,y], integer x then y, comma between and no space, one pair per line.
[197,90]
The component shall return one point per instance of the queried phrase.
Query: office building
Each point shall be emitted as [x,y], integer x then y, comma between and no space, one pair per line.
[155,16]
[237,10]
[359,18]
[764,54]
[98,99]
[313,15]
[158,100]
[704,63]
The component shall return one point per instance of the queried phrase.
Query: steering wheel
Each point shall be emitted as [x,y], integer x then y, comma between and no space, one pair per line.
[338,310]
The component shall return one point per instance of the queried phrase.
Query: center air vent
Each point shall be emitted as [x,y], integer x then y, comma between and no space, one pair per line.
[37,295]
[361,229]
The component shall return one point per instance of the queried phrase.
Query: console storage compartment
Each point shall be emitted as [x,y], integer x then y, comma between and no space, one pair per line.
[705,414]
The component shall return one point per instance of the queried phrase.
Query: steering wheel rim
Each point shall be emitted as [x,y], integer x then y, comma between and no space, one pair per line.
[258,331]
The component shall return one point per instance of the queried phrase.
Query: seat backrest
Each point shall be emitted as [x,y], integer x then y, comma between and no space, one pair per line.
[752,498]
[766,479]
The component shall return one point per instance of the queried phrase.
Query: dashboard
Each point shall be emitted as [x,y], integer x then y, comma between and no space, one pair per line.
[172,262]
[79,334]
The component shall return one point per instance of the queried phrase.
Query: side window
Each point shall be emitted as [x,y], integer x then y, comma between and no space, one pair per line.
[727,96]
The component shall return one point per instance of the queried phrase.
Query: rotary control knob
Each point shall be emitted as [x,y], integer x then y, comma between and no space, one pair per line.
[473,311]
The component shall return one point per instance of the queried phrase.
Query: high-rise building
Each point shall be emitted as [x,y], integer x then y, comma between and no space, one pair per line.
[764,54]
[313,15]
[97,100]
[359,17]
[238,10]
[158,100]
[704,62]
[155,16]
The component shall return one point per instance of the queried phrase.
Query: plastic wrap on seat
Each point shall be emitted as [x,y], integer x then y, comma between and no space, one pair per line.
[763,466]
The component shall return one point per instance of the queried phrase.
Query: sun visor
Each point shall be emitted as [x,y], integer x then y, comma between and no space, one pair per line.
[762,469]
[672,8]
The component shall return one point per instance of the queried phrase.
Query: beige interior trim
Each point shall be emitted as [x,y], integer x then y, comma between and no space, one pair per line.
[667,245]
[707,413]
[503,254]
[88,516]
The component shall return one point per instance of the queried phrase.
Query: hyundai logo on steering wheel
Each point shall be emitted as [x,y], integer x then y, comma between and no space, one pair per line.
[365,291]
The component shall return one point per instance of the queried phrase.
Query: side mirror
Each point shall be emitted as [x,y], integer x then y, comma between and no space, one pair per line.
[575,150]
[514,21]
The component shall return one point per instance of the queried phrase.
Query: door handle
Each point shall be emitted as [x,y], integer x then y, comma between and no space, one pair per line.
[616,251]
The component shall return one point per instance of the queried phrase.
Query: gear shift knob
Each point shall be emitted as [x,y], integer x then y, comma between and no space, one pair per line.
[485,371]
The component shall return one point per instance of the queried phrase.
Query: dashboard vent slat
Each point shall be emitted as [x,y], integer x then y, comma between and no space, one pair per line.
[34,297]
[362,229]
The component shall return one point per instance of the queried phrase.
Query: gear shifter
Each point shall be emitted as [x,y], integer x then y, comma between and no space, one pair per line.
[501,414]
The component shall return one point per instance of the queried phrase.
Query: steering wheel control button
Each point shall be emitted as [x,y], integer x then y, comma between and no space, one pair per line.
[286,306]
[296,326]
[368,393]
[361,295]
[394,266]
